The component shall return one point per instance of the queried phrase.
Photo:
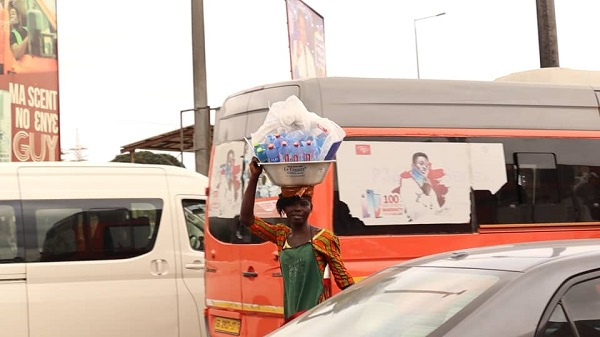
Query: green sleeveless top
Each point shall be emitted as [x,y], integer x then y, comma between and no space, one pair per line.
[302,280]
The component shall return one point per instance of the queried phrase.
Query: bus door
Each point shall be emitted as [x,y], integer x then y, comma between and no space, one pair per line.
[262,286]
[223,271]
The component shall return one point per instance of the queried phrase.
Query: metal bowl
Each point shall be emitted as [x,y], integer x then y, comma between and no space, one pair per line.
[302,173]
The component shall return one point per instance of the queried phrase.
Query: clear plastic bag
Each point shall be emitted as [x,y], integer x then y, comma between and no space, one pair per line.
[291,118]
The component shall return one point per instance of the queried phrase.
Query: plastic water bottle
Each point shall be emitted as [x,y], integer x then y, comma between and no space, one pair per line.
[261,154]
[296,152]
[310,151]
[272,154]
[278,140]
[270,138]
[284,152]
[295,136]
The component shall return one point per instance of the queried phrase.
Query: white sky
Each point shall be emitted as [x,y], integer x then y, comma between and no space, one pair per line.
[125,67]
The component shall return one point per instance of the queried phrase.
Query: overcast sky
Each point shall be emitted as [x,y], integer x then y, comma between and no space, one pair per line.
[125,68]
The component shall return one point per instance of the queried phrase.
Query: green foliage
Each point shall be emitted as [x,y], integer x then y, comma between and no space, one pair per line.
[147,157]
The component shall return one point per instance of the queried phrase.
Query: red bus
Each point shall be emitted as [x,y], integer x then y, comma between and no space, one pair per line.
[509,162]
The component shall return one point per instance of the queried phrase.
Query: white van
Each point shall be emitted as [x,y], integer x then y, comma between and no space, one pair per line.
[101,250]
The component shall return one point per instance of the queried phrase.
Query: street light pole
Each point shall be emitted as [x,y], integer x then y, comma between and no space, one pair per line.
[416,44]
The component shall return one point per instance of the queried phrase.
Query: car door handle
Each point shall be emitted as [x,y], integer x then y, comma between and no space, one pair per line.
[250,274]
[196,265]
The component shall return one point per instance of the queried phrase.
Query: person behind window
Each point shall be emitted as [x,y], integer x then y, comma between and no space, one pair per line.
[304,250]
[19,39]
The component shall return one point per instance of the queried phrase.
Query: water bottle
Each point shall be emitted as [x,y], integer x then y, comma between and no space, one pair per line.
[296,152]
[295,136]
[284,152]
[261,154]
[270,139]
[272,154]
[278,140]
[310,151]
[262,146]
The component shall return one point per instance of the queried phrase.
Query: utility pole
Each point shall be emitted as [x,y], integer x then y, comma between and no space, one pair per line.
[547,37]
[201,109]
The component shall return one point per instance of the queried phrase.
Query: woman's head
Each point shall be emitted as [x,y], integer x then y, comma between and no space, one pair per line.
[296,208]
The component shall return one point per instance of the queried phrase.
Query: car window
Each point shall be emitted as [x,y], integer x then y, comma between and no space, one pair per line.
[194,211]
[9,245]
[399,302]
[558,325]
[579,307]
[89,229]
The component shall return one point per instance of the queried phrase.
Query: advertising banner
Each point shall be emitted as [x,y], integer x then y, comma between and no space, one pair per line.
[29,114]
[226,180]
[395,183]
[306,32]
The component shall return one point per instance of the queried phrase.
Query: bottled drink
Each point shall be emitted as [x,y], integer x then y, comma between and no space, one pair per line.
[296,152]
[284,152]
[278,140]
[295,136]
[261,154]
[310,151]
[272,154]
[270,138]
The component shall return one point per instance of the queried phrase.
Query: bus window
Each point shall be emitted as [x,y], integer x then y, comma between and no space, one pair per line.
[547,180]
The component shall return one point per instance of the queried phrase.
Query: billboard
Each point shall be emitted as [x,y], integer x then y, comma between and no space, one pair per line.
[413,183]
[29,116]
[306,33]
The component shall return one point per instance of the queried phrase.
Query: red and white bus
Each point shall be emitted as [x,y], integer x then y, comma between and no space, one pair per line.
[509,162]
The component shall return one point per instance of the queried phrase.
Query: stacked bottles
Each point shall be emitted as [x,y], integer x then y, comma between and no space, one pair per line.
[310,150]
[296,152]
[272,154]
[294,147]
[284,152]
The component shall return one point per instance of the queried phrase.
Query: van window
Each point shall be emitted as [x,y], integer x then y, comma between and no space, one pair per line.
[91,229]
[9,245]
[194,212]
[532,180]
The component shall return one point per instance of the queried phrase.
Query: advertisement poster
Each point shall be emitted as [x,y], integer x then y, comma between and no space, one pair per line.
[29,116]
[226,180]
[266,192]
[306,32]
[391,183]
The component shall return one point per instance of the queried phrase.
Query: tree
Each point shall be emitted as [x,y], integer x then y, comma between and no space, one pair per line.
[147,157]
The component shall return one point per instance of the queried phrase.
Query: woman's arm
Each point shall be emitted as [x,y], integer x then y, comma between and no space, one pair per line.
[342,277]
[266,231]
[247,210]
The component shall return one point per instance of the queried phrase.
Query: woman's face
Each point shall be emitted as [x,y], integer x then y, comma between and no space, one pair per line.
[298,212]
[422,164]
[13,16]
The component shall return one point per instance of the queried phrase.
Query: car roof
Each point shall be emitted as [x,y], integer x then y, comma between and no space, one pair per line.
[519,257]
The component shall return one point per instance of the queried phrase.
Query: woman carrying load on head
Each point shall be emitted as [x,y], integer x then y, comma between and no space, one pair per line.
[304,250]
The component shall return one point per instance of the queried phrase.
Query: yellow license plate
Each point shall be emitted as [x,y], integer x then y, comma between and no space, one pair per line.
[227,325]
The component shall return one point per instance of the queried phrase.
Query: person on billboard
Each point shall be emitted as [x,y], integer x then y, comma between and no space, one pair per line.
[230,184]
[19,39]
[304,250]
[420,189]
[304,61]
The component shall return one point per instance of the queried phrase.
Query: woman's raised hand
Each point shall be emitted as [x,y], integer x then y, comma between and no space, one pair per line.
[255,168]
